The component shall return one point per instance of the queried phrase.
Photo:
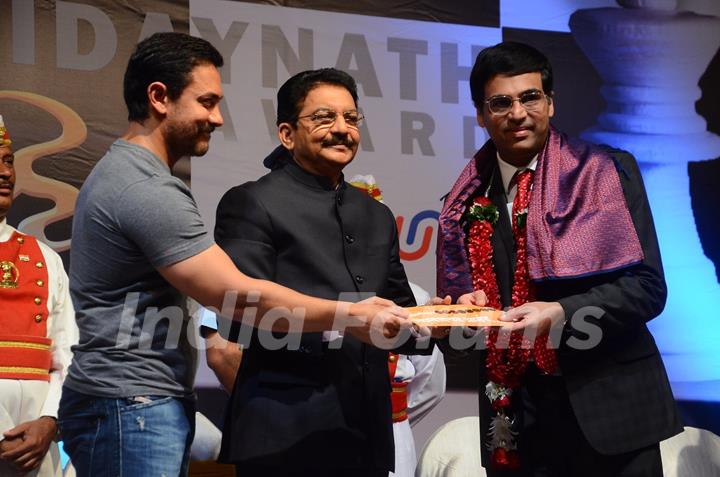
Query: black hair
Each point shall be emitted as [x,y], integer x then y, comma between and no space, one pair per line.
[293,92]
[508,58]
[168,58]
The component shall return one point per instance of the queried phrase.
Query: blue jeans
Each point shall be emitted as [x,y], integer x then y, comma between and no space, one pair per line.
[127,438]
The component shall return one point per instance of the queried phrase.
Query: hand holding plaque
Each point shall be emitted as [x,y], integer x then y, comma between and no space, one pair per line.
[455,315]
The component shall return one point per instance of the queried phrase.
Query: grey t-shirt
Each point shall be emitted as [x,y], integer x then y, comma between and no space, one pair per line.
[131,217]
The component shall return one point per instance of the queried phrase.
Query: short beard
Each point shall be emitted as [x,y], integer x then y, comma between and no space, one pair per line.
[182,139]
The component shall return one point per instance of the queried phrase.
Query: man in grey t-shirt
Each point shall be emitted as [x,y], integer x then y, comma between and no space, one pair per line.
[139,246]
[130,197]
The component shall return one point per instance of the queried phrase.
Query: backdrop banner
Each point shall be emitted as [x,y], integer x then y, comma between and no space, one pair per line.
[412,82]
[61,96]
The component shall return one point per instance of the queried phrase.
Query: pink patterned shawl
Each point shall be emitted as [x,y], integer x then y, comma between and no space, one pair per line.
[578,221]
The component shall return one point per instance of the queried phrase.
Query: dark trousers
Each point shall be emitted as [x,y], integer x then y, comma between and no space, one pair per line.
[555,446]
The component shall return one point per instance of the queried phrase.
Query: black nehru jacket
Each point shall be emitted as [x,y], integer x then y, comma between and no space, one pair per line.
[314,407]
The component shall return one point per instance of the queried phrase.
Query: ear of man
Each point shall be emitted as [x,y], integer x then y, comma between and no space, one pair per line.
[480,118]
[286,134]
[158,97]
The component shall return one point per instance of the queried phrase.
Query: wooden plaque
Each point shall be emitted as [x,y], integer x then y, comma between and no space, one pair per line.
[455,315]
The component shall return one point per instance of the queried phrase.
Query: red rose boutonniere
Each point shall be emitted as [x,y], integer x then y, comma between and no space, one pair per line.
[483,209]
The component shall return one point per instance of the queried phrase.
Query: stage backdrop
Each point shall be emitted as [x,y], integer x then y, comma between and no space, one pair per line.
[61,96]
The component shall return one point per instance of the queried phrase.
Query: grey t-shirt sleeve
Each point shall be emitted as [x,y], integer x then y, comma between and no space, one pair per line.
[160,215]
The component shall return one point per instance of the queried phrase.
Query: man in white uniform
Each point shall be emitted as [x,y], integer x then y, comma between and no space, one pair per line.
[37,328]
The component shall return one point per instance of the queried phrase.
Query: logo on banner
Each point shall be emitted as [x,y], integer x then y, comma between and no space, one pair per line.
[419,235]
[32,184]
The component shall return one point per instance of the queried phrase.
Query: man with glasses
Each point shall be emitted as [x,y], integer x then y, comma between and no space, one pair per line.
[560,231]
[321,407]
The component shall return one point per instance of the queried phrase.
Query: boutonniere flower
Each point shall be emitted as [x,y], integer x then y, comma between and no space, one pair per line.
[483,209]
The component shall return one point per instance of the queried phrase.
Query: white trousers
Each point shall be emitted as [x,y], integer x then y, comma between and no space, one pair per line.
[405,457]
[22,401]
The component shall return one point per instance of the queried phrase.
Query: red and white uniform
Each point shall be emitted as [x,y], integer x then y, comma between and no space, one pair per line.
[418,385]
[37,329]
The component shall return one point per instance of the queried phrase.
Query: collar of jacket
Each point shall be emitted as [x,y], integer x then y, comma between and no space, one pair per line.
[312,180]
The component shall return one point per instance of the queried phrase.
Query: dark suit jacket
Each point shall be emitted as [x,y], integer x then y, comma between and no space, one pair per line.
[619,390]
[313,407]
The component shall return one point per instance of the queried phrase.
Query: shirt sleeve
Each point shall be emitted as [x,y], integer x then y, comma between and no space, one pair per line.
[208,319]
[161,216]
[62,330]
[427,387]
[208,322]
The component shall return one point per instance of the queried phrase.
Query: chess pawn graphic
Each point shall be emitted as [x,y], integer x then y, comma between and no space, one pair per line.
[650,55]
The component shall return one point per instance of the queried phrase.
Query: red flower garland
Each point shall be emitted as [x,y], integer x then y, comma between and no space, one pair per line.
[507,357]
[480,250]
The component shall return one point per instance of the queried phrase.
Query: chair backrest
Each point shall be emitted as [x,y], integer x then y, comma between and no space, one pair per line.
[692,453]
[453,451]
[69,471]
[206,444]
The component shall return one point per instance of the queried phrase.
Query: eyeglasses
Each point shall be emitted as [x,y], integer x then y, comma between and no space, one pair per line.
[324,118]
[502,103]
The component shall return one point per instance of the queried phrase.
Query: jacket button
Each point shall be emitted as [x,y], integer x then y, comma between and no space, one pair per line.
[38,318]
[39,264]
[37,300]
[40,283]
[359,279]
[349,238]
